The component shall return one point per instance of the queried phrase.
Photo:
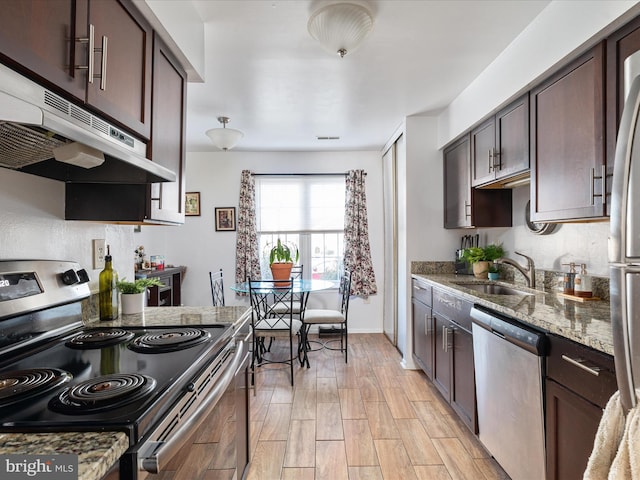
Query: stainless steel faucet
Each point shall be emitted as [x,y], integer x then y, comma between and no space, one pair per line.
[529,272]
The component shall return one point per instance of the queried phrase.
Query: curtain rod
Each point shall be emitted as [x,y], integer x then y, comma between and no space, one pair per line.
[301,174]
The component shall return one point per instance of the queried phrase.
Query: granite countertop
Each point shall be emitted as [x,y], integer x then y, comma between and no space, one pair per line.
[587,323]
[98,451]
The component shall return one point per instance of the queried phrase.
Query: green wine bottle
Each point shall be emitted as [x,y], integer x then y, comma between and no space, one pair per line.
[108,290]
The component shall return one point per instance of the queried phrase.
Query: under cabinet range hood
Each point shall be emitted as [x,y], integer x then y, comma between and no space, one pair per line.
[43,134]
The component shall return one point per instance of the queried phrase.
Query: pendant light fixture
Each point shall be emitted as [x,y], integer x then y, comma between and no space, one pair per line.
[340,27]
[224,138]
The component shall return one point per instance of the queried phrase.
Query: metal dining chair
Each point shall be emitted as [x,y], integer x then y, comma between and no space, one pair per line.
[217,288]
[331,317]
[269,323]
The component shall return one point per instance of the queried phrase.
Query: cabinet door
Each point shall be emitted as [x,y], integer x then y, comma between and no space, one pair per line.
[123,89]
[512,139]
[571,426]
[38,37]
[483,151]
[457,184]
[442,355]
[423,336]
[463,389]
[167,134]
[567,142]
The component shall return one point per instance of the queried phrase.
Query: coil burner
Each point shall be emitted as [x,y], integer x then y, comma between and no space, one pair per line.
[103,393]
[20,385]
[99,338]
[169,340]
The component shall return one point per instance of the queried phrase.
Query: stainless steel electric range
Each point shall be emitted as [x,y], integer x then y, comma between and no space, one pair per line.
[156,384]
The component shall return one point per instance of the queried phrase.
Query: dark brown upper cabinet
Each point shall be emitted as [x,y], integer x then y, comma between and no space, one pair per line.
[620,45]
[568,142]
[50,41]
[500,146]
[158,203]
[465,206]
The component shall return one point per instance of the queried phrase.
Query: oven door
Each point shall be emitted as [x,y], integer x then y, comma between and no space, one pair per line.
[211,389]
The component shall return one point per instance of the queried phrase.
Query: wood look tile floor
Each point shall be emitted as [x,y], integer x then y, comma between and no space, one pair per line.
[369,419]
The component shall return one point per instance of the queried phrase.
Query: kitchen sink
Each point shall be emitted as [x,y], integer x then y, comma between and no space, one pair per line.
[492,288]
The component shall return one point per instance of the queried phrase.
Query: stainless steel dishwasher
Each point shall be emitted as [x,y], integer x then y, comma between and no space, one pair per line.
[509,363]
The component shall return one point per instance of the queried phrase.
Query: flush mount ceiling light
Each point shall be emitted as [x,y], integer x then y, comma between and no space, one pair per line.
[340,27]
[224,138]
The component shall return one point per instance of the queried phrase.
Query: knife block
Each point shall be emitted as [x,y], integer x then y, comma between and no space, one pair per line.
[460,266]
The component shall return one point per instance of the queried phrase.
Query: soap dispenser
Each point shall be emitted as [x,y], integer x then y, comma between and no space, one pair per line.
[569,279]
[582,283]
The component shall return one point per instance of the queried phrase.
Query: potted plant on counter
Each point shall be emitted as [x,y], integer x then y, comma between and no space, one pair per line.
[481,257]
[134,294]
[281,259]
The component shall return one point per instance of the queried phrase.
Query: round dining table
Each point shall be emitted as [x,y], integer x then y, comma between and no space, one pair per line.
[299,286]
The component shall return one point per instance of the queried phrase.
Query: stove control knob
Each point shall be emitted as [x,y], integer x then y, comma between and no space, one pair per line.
[83,275]
[70,277]
[190,387]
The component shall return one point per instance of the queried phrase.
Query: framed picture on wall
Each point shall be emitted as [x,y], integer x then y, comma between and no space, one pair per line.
[192,204]
[225,219]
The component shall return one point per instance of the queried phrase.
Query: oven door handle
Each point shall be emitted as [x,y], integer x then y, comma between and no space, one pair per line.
[154,455]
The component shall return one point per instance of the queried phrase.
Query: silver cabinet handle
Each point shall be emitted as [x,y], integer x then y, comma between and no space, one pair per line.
[103,73]
[490,160]
[90,41]
[427,317]
[579,362]
[467,205]
[603,187]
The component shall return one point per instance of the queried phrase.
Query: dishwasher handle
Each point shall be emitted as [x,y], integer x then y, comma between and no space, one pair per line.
[510,330]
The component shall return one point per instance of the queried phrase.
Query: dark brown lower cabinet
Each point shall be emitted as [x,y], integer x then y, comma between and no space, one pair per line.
[572,423]
[422,322]
[453,368]
[579,383]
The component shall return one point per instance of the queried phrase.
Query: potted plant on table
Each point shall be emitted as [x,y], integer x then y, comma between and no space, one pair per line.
[481,258]
[134,294]
[281,259]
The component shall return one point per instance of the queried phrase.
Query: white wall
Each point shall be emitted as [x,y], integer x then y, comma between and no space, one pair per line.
[216,176]
[32,226]
[561,29]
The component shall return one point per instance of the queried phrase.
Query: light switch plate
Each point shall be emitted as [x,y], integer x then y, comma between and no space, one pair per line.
[99,251]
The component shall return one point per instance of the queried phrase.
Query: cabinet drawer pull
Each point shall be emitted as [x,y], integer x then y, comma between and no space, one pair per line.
[90,41]
[579,363]
[427,330]
[491,161]
[603,185]
[467,205]
[103,73]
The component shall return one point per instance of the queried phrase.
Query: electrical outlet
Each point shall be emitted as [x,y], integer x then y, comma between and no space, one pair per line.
[99,251]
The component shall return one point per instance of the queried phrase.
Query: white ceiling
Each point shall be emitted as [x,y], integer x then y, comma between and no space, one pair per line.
[265,72]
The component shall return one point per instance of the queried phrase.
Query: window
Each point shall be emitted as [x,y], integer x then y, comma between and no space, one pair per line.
[305,211]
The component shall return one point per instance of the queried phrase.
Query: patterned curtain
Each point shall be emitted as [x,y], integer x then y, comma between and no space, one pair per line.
[357,254]
[247,249]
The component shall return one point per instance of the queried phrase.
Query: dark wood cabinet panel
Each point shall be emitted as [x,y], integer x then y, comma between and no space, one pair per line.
[37,37]
[457,187]
[126,96]
[571,426]
[466,207]
[442,357]
[167,134]
[483,148]
[423,336]
[500,145]
[453,368]
[463,390]
[48,40]
[579,383]
[512,139]
[567,142]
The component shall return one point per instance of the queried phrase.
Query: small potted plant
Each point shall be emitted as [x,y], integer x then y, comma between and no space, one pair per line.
[481,258]
[494,272]
[134,294]
[281,259]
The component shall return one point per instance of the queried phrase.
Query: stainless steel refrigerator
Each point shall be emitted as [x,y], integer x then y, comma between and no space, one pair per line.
[624,240]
